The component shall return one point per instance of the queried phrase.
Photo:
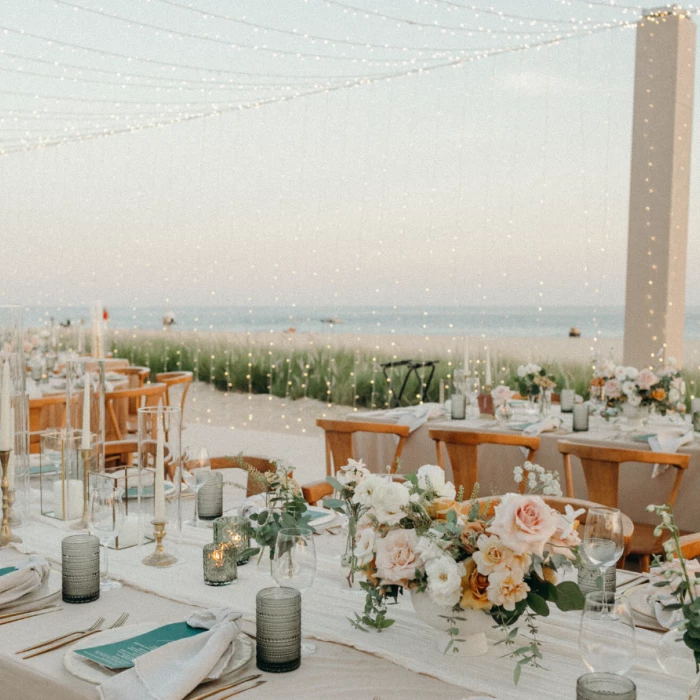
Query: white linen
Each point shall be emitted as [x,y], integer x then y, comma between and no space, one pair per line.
[412,416]
[31,573]
[176,669]
[545,425]
[668,440]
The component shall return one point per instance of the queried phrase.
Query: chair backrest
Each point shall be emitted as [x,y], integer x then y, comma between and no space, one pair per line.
[45,413]
[339,440]
[462,448]
[601,469]
[137,375]
[171,379]
[260,464]
[690,545]
[488,504]
[117,405]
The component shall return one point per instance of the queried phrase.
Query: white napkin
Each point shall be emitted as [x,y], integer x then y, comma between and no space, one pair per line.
[546,425]
[30,575]
[176,669]
[668,440]
[412,416]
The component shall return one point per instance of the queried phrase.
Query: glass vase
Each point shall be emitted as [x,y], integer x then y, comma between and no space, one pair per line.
[545,403]
[694,689]
[503,413]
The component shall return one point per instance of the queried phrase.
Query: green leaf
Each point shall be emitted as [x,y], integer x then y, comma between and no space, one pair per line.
[569,597]
[516,673]
[333,503]
[538,604]
[334,483]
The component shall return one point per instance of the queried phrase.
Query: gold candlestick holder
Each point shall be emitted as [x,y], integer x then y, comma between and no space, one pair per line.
[8,499]
[159,557]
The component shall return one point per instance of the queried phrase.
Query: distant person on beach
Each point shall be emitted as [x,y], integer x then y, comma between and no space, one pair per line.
[168,320]
[105,316]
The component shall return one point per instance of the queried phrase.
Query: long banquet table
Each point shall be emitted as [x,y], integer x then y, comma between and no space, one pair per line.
[496,462]
[401,662]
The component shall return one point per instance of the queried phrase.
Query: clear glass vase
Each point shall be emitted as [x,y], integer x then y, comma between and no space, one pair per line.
[694,689]
[348,562]
[545,403]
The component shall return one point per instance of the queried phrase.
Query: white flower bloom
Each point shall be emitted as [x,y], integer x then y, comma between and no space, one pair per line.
[432,478]
[352,472]
[629,388]
[506,588]
[632,373]
[674,396]
[364,546]
[522,371]
[428,549]
[366,489]
[388,502]
[445,580]
[492,555]
[634,400]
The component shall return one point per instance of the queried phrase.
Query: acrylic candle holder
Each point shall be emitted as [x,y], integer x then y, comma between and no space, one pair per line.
[210,498]
[278,629]
[220,568]
[80,571]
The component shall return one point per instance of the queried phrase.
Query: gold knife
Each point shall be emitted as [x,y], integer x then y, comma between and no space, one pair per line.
[228,687]
[25,612]
[28,615]
[242,690]
[62,644]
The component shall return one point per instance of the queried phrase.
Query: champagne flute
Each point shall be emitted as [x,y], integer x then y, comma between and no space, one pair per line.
[607,636]
[294,565]
[196,472]
[603,538]
[105,519]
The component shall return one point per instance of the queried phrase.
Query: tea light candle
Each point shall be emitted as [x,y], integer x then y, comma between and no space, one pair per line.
[220,567]
[233,532]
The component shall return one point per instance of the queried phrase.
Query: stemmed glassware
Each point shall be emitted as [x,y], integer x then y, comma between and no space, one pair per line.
[294,565]
[603,538]
[196,472]
[607,637]
[105,519]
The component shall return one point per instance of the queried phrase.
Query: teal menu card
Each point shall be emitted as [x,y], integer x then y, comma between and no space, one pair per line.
[120,655]
[8,570]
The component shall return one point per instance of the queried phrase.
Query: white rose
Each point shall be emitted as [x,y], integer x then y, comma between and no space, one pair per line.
[429,549]
[364,546]
[432,478]
[506,588]
[620,373]
[352,472]
[397,560]
[389,501]
[445,581]
[629,388]
[366,489]
[522,371]
[634,400]
[674,395]
[632,373]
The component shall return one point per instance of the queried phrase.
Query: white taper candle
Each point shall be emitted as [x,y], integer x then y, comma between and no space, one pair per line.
[159,490]
[85,440]
[5,432]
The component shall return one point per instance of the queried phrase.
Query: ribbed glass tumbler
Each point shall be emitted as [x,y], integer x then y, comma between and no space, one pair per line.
[278,619]
[210,498]
[80,558]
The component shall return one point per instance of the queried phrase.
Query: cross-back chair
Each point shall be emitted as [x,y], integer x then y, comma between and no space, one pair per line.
[601,470]
[259,464]
[173,379]
[119,421]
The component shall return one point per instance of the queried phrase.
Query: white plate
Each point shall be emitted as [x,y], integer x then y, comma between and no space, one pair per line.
[638,598]
[326,515]
[92,672]
[49,593]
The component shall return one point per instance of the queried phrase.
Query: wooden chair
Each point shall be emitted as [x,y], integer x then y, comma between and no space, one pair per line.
[258,463]
[601,469]
[690,546]
[45,413]
[117,408]
[462,448]
[171,379]
[559,504]
[339,440]
[136,378]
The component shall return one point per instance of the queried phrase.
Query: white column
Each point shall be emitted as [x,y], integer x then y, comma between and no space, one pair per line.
[659,187]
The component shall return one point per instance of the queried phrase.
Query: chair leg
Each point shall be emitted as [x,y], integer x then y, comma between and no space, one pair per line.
[644,562]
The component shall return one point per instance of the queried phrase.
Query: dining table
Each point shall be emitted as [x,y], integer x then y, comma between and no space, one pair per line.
[638,487]
[406,660]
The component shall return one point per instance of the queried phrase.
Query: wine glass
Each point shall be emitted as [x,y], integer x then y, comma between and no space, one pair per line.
[603,538]
[607,638]
[196,472]
[294,564]
[105,519]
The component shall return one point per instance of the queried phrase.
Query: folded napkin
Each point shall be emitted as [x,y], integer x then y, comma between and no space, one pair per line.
[412,416]
[31,573]
[668,440]
[546,425]
[173,671]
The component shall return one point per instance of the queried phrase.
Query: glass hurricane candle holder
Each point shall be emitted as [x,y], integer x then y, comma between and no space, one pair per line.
[234,531]
[220,568]
[61,489]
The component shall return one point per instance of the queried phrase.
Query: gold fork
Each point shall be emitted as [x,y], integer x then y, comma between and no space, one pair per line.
[118,623]
[18,617]
[95,626]
[240,681]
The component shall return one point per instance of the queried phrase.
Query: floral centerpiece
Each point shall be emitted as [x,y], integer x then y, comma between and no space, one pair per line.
[617,384]
[501,396]
[531,380]
[479,559]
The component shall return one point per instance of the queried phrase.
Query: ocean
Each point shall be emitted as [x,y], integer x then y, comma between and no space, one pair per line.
[489,321]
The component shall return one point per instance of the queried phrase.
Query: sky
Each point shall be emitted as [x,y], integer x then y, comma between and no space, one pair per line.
[502,180]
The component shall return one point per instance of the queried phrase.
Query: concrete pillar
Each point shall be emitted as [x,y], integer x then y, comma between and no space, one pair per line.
[659,187]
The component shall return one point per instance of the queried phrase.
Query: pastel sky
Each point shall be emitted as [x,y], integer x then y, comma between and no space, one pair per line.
[502,180]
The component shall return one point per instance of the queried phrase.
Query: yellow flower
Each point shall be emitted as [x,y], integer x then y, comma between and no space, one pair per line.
[474,585]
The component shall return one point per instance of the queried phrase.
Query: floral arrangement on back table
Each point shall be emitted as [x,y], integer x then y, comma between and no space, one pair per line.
[532,379]
[419,535]
[615,384]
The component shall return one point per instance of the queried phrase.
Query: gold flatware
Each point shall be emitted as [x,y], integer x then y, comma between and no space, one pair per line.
[240,681]
[96,625]
[242,690]
[25,612]
[26,616]
[248,634]
[118,623]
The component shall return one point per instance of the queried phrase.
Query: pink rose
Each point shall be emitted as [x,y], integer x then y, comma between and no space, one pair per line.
[524,523]
[612,389]
[501,395]
[646,379]
[397,559]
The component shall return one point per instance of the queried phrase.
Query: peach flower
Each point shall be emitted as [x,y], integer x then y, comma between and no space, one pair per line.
[524,523]
[506,588]
[397,559]
[474,587]
[646,379]
[470,533]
